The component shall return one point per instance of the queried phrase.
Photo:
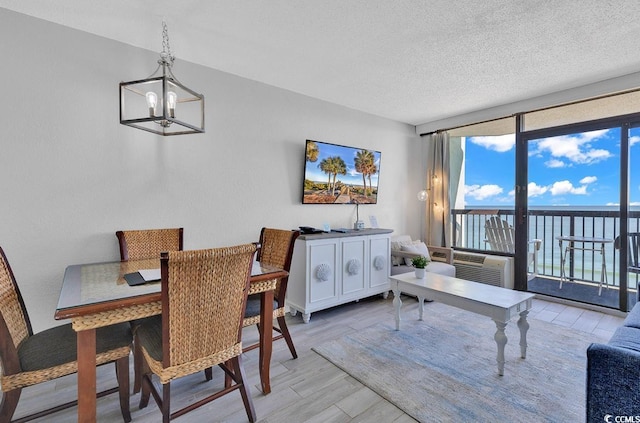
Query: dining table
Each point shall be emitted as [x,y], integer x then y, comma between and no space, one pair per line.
[95,295]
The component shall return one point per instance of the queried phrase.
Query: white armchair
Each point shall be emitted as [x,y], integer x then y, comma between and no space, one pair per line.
[403,249]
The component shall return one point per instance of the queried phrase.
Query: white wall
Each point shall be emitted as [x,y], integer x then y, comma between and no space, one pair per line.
[72,175]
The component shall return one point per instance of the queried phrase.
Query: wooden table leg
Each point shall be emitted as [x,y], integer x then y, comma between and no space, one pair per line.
[420,308]
[266,338]
[87,375]
[523,325]
[501,339]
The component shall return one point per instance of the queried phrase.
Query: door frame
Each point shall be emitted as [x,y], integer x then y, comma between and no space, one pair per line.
[522,138]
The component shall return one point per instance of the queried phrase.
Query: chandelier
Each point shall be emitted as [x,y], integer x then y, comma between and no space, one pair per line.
[160,103]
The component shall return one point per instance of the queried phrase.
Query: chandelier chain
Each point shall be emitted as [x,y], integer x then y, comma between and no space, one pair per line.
[166,47]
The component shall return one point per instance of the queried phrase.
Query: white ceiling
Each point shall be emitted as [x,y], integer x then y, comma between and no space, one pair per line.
[413,61]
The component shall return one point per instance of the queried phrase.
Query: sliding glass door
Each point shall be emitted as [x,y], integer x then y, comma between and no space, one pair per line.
[557,183]
[579,198]
[630,262]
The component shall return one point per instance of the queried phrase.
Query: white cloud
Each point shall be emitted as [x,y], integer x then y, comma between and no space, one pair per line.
[481,192]
[566,187]
[534,190]
[576,148]
[588,180]
[500,143]
[553,163]
[634,140]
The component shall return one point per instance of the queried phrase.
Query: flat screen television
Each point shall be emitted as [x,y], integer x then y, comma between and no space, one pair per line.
[339,174]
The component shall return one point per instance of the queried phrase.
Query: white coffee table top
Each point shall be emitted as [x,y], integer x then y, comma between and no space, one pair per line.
[475,291]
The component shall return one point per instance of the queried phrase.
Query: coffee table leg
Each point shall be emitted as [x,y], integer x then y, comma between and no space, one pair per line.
[501,340]
[420,307]
[397,303]
[523,325]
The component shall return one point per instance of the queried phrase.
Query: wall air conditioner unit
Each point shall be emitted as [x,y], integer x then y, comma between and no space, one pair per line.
[492,270]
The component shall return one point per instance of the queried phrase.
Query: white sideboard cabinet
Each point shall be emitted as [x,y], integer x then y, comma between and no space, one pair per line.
[334,268]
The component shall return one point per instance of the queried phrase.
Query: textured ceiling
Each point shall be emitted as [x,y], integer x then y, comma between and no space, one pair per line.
[413,61]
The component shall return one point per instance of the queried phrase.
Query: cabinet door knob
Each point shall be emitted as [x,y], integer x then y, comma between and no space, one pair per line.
[323,272]
[378,262]
[353,267]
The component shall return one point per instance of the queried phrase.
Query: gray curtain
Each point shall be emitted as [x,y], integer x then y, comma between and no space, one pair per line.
[438,210]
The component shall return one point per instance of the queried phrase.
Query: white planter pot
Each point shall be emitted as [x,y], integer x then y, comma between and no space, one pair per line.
[419,273]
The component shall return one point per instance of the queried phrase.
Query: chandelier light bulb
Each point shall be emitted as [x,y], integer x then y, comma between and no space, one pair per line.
[423,195]
[152,101]
[172,100]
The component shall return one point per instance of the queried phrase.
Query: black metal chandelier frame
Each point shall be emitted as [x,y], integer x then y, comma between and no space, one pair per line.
[162,104]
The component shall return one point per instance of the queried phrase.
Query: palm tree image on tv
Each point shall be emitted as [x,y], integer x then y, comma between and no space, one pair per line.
[336,174]
[366,164]
[333,166]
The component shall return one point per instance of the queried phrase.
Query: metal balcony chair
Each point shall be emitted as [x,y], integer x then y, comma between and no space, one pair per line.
[204,295]
[28,359]
[633,252]
[145,244]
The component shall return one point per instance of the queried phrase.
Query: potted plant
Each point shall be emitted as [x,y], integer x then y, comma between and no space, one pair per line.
[419,262]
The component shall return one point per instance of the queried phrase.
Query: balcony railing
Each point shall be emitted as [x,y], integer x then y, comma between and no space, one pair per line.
[546,225]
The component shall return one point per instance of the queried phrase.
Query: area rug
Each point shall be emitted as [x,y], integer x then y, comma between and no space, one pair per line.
[444,368]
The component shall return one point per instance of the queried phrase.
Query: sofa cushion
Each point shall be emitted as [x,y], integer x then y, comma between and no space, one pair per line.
[633,318]
[418,247]
[396,245]
[58,345]
[626,337]
[441,269]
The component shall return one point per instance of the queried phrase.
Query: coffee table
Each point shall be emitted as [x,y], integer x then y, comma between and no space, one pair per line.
[499,304]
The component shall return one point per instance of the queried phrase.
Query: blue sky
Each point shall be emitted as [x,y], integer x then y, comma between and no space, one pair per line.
[572,170]
[348,154]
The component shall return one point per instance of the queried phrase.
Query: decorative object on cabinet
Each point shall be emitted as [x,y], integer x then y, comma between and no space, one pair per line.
[334,268]
[161,104]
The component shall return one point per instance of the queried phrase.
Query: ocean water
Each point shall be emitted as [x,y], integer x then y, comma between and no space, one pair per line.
[584,221]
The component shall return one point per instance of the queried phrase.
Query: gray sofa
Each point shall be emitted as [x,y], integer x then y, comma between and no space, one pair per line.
[613,373]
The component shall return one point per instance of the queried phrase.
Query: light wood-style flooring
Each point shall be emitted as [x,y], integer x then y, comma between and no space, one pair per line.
[308,389]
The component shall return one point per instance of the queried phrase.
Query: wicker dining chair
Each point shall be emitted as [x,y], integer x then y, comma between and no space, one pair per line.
[28,359]
[276,249]
[148,243]
[204,294]
[144,244]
